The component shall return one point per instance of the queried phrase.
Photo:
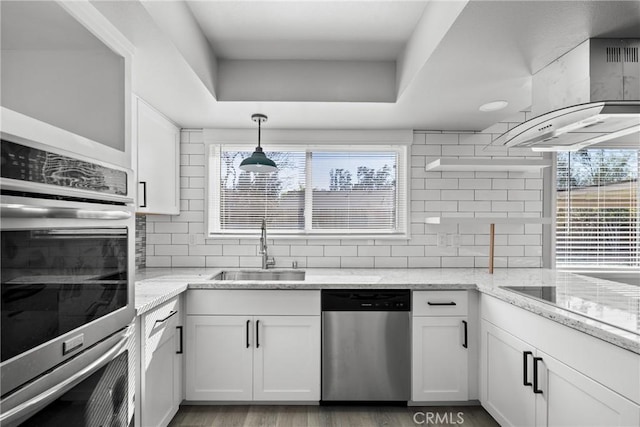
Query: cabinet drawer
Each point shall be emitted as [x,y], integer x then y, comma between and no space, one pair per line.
[160,325]
[440,303]
[253,302]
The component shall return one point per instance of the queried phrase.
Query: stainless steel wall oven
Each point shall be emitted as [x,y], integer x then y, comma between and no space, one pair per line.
[67,240]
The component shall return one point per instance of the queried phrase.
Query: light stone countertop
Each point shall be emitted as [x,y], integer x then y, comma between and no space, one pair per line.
[601,308]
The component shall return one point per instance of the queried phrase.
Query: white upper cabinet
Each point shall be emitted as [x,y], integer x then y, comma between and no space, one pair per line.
[66,79]
[158,143]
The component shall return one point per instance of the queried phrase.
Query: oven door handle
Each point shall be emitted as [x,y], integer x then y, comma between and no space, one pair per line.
[11,210]
[23,410]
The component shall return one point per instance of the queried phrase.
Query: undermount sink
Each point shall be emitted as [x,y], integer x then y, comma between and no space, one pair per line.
[259,275]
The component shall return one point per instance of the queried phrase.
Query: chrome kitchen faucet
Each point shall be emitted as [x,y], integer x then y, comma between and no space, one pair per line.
[267,261]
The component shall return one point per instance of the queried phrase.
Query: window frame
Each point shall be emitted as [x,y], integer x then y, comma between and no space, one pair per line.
[214,145]
[554,214]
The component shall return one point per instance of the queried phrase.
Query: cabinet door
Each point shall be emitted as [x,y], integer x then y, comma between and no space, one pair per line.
[219,357]
[440,360]
[570,398]
[158,162]
[503,392]
[287,358]
[160,379]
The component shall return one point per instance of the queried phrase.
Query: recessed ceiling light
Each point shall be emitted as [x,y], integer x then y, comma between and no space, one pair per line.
[493,106]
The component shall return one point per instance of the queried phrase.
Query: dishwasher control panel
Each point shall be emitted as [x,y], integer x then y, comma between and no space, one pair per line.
[366,300]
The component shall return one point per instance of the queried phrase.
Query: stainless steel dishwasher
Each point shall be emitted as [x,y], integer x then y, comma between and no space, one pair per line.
[366,345]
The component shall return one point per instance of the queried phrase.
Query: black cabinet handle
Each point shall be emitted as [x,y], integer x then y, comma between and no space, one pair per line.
[441,303]
[248,322]
[173,313]
[179,328]
[535,375]
[144,194]
[257,334]
[464,323]
[525,367]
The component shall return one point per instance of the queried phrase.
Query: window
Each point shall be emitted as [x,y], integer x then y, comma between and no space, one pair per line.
[597,209]
[319,190]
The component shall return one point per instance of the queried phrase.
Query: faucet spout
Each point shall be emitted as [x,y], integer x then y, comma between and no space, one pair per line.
[267,261]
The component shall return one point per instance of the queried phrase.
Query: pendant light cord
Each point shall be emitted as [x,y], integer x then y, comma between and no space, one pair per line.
[259,123]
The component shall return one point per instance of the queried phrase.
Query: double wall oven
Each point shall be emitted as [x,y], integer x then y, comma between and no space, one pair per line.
[68,232]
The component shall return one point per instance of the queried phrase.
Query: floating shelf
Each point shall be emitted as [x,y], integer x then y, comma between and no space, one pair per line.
[485,220]
[488,165]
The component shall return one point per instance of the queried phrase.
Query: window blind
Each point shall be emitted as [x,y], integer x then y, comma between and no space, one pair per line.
[247,197]
[354,191]
[315,190]
[597,209]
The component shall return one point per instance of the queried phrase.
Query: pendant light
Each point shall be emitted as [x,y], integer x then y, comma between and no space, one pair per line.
[258,161]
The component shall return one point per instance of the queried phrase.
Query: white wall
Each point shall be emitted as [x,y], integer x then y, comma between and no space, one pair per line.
[432,194]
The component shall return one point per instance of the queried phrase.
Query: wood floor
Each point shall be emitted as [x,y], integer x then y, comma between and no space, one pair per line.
[331,416]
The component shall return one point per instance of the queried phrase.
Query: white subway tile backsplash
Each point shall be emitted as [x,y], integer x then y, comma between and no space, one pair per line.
[368,251]
[222,261]
[404,251]
[171,227]
[441,138]
[424,262]
[490,194]
[207,250]
[323,262]
[158,261]
[508,184]
[357,262]
[188,261]
[458,150]
[474,184]
[457,262]
[497,206]
[180,240]
[457,195]
[442,184]
[390,262]
[524,195]
[341,251]
[239,250]
[159,239]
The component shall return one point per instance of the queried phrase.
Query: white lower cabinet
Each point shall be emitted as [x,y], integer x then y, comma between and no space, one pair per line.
[523,386]
[569,398]
[219,358]
[439,370]
[440,346]
[286,358]
[160,384]
[262,356]
[506,397]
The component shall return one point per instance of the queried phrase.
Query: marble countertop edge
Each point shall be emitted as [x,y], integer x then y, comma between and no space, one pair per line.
[160,285]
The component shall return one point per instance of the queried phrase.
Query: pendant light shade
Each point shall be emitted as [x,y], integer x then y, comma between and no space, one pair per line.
[258,161]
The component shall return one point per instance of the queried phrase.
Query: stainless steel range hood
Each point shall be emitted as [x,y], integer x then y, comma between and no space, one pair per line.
[588,96]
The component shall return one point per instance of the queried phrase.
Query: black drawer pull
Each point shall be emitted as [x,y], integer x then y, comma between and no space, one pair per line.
[525,368]
[464,323]
[173,313]
[179,328]
[257,334]
[535,375]
[248,322]
[441,303]
[144,194]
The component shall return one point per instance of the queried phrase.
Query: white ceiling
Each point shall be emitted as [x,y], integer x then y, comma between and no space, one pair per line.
[351,30]
[489,53]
